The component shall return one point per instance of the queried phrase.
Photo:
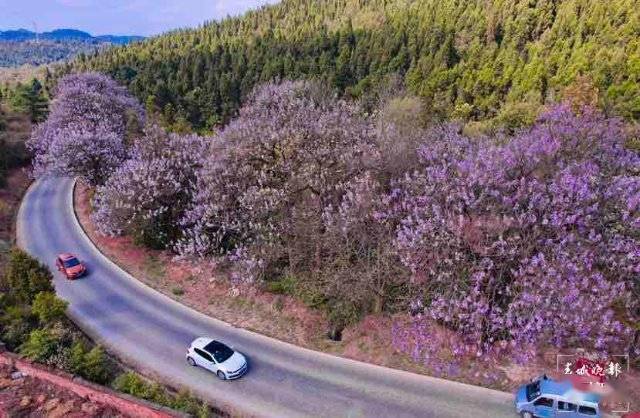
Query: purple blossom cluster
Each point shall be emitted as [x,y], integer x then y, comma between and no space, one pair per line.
[271,174]
[534,240]
[147,195]
[85,134]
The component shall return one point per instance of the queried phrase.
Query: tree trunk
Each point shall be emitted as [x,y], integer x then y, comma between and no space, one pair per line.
[378,303]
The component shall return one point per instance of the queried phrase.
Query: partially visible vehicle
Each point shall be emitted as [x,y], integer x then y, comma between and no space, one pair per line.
[546,398]
[70,266]
[217,357]
[632,415]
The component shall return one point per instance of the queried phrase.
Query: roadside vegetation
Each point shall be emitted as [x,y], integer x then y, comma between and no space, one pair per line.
[33,324]
[15,129]
[499,244]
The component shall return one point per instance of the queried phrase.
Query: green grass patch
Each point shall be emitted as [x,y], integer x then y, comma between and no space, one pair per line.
[154,268]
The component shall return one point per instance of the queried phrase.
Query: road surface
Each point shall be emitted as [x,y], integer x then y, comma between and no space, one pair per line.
[152,331]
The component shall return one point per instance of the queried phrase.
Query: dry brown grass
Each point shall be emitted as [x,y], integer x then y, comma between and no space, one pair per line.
[14,75]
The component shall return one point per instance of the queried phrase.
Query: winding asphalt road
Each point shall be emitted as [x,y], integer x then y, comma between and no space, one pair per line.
[152,331]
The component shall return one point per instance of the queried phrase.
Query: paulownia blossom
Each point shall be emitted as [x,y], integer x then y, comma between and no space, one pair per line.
[147,195]
[85,133]
[532,241]
[271,174]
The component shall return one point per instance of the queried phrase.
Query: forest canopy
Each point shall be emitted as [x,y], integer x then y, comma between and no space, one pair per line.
[472,60]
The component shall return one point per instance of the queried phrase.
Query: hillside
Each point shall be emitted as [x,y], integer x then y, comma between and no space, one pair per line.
[23,47]
[474,59]
[65,35]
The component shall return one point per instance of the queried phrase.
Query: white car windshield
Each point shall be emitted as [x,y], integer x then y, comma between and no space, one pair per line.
[219,351]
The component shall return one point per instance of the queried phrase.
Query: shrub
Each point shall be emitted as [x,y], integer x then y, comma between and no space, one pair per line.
[48,307]
[61,359]
[77,355]
[186,402]
[515,116]
[25,277]
[40,345]
[341,314]
[133,384]
[16,324]
[284,286]
[97,366]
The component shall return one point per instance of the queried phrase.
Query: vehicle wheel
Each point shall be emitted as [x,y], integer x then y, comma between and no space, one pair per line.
[221,375]
[191,361]
[527,415]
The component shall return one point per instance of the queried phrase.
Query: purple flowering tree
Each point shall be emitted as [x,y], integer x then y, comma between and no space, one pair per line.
[533,241]
[85,134]
[147,195]
[271,174]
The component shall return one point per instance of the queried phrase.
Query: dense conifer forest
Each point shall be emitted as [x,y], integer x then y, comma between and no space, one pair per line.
[472,59]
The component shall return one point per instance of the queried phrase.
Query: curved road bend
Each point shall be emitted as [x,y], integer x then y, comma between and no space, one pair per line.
[153,331]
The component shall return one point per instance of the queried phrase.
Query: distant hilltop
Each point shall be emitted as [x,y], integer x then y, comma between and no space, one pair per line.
[64,35]
[19,47]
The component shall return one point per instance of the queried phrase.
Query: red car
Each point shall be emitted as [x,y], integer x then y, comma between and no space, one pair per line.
[70,266]
[632,415]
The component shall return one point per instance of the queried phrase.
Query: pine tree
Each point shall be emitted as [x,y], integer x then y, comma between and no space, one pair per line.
[30,99]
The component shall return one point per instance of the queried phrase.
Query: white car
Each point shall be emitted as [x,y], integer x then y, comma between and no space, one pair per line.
[216,357]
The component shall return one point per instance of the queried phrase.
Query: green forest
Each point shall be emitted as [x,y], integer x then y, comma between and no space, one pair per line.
[473,60]
[21,106]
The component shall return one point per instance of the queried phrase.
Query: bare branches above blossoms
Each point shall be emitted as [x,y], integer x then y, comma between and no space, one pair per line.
[360,271]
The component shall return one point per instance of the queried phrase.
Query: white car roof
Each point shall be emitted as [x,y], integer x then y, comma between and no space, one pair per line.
[201,342]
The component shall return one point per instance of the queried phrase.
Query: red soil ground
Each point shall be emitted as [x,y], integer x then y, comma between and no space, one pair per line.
[31,397]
